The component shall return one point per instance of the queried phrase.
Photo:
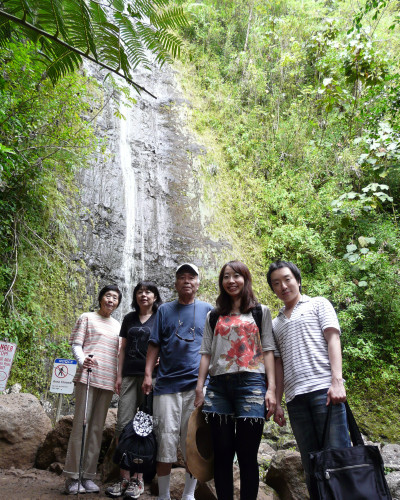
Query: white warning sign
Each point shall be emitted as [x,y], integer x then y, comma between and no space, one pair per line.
[7,351]
[63,374]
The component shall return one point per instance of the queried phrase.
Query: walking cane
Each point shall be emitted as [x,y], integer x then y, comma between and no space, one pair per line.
[89,370]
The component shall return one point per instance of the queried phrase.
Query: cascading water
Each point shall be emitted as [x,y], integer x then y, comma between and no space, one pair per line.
[128,175]
[140,214]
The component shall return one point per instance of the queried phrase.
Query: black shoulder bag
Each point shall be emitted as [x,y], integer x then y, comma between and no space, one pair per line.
[137,446]
[354,473]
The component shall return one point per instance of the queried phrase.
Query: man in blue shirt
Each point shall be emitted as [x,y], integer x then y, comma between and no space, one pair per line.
[176,339]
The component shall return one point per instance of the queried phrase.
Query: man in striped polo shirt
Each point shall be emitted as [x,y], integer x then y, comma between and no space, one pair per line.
[308,364]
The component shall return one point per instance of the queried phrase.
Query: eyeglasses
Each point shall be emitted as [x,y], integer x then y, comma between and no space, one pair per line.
[192,330]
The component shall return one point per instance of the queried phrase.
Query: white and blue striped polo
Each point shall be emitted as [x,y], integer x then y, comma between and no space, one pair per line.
[302,346]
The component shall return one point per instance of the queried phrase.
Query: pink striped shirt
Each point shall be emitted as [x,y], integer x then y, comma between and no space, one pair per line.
[98,336]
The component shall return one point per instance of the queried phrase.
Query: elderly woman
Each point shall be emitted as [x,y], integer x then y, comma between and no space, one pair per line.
[135,333]
[237,351]
[95,343]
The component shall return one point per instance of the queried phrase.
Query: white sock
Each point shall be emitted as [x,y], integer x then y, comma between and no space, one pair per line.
[190,486]
[163,486]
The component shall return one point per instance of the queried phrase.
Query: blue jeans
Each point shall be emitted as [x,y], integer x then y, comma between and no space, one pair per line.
[307,414]
[239,395]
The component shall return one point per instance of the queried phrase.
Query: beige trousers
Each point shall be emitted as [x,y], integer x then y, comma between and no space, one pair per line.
[98,403]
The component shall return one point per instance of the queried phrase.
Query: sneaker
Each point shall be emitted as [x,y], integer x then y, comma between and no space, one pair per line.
[117,489]
[90,486]
[135,488]
[71,487]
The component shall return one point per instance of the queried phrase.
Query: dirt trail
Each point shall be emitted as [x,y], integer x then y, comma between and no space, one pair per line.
[35,484]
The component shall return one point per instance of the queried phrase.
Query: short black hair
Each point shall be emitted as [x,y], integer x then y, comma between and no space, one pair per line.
[150,285]
[279,264]
[110,288]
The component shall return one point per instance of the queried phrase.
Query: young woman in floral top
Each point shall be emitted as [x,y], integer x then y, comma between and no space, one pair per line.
[238,357]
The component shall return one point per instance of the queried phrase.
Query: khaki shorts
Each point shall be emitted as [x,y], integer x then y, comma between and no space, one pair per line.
[171,417]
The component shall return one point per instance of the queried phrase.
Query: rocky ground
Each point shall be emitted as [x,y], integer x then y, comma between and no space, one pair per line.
[32,456]
[36,484]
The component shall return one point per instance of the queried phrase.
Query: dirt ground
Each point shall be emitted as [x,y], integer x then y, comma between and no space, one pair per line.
[35,484]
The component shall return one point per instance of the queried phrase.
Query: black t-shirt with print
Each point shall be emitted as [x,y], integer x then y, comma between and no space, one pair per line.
[137,338]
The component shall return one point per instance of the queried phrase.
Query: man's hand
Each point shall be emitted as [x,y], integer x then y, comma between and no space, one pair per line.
[199,400]
[279,416]
[336,392]
[270,403]
[118,384]
[147,385]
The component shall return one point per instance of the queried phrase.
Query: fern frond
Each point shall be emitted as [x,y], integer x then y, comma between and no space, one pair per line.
[172,18]
[49,17]
[117,39]
[79,25]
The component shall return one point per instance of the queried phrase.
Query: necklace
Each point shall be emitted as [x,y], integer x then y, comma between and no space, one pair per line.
[192,330]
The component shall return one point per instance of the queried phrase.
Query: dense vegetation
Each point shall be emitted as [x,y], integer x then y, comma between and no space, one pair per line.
[46,134]
[298,103]
[48,111]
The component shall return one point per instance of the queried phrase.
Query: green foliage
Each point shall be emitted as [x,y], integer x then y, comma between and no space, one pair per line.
[303,163]
[46,134]
[115,36]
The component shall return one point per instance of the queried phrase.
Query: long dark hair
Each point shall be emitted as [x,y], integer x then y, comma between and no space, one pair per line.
[150,285]
[248,300]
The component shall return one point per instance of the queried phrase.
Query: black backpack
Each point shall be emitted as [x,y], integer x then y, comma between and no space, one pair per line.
[256,312]
[137,446]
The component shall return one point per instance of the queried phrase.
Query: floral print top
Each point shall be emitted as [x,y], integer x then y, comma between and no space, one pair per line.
[236,344]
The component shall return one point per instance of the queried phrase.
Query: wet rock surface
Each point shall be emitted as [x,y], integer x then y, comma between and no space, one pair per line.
[140,200]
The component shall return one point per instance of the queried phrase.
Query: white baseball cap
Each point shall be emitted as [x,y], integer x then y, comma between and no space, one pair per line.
[192,267]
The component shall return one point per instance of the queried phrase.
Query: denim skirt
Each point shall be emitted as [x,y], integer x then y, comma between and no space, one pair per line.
[238,395]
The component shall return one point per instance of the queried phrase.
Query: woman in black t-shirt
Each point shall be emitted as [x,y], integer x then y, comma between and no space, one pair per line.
[135,333]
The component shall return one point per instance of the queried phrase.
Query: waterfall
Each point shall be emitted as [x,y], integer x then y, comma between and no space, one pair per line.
[140,200]
[128,176]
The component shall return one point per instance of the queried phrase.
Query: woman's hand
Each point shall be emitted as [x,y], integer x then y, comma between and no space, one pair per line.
[147,385]
[270,403]
[118,384]
[89,362]
[199,400]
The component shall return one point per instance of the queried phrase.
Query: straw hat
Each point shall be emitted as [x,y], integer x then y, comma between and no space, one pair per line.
[199,447]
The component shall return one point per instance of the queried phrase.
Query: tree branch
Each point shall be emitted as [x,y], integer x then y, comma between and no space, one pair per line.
[73,49]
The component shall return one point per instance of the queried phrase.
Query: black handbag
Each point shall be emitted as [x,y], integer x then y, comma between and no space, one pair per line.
[354,473]
[137,446]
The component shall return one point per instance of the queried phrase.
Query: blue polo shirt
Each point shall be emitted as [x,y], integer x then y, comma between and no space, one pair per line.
[179,360]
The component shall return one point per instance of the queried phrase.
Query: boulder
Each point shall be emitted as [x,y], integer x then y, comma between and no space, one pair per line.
[54,448]
[177,483]
[206,491]
[286,476]
[23,428]
[393,481]
[279,437]
[391,456]
[53,451]
[109,471]
[265,451]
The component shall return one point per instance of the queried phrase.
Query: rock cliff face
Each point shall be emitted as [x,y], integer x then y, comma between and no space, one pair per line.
[140,214]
